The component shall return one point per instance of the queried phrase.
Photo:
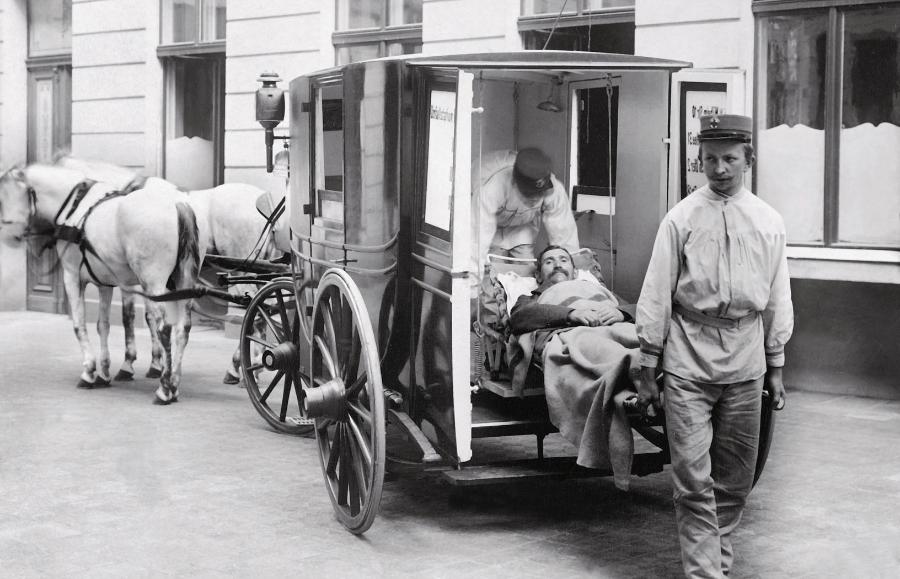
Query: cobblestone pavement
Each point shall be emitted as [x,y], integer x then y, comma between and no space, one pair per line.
[102,483]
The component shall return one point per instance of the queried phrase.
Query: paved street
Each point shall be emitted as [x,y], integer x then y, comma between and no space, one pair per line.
[102,483]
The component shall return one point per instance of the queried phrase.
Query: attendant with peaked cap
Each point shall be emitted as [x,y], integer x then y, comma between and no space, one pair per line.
[518,195]
[714,316]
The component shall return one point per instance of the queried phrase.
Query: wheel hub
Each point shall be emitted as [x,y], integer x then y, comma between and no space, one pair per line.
[282,357]
[326,401]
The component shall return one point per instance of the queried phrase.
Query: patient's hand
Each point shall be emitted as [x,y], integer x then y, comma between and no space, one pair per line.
[602,314]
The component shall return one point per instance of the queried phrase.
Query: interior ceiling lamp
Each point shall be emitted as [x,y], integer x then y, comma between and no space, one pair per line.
[550,105]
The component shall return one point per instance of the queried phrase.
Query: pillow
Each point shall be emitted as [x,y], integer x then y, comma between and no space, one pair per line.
[516,285]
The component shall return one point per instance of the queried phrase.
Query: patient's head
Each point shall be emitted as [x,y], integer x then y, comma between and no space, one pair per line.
[554,265]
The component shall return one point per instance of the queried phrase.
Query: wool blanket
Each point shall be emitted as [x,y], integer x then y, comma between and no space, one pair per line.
[586,369]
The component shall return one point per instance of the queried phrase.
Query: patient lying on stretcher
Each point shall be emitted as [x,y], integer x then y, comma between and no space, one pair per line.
[585,341]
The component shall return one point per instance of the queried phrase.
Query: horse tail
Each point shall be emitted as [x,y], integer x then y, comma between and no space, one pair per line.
[187,265]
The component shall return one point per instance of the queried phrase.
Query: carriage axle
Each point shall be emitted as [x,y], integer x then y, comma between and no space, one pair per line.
[327,401]
[282,357]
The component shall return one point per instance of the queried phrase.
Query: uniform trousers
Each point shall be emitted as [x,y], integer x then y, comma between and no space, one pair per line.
[713,432]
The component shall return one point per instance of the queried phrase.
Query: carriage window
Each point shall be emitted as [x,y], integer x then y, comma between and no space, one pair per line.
[439,183]
[329,156]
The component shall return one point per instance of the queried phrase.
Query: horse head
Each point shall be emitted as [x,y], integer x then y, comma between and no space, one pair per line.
[17,205]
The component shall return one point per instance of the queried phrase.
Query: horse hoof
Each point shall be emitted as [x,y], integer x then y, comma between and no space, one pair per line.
[153,372]
[230,379]
[101,383]
[85,384]
[124,376]
[161,402]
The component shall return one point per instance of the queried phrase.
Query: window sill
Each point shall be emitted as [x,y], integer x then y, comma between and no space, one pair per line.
[862,265]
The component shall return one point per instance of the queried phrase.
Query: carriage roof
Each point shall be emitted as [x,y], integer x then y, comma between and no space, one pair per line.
[529,59]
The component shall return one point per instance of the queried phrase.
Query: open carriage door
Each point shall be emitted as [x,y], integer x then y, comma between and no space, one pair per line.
[441,252]
[696,93]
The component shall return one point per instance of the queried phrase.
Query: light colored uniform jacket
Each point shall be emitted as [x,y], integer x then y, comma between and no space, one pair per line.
[723,257]
[507,219]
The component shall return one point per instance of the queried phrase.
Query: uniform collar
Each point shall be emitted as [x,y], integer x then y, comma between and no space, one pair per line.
[711,195]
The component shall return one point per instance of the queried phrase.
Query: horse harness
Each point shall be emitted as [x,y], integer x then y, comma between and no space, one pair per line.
[75,233]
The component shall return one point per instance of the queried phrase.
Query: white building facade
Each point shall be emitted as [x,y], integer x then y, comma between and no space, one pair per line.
[166,87]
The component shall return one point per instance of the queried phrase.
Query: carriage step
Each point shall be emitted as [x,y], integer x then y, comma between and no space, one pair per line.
[508,472]
[548,468]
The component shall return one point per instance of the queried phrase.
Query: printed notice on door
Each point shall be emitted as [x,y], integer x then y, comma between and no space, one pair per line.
[698,99]
[439,183]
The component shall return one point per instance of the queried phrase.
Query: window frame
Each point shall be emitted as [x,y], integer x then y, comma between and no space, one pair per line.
[581,17]
[188,48]
[835,11]
[208,49]
[382,35]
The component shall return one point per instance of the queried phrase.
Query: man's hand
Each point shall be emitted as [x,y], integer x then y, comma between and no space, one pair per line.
[775,387]
[603,314]
[648,391]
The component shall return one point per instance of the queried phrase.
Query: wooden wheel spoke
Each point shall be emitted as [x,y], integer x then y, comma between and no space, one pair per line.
[271,323]
[357,385]
[353,355]
[286,396]
[328,322]
[282,310]
[357,410]
[360,442]
[326,356]
[343,470]
[260,341]
[334,453]
[255,367]
[275,381]
[357,488]
[360,475]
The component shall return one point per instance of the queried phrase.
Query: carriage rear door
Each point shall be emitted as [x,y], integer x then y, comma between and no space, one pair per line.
[441,247]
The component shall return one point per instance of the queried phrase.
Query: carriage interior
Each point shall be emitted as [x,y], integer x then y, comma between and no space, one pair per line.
[599,150]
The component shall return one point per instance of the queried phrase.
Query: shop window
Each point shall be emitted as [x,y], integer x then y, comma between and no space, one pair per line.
[193,52]
[828,127]
[588,25]
[369,29]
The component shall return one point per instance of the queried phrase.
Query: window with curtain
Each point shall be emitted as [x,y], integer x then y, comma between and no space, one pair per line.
[192,47]
[369,29]
[828,121]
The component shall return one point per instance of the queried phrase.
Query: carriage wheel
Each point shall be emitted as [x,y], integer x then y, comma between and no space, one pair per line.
[347,401]
[270,357]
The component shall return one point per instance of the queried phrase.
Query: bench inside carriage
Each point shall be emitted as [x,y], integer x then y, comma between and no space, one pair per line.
[499,409]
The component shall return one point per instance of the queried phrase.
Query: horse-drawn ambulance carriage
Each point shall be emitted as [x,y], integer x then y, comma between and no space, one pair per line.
[382,325]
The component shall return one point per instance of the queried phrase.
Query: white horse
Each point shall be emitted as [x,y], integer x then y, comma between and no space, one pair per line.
[227,218]
[148,238]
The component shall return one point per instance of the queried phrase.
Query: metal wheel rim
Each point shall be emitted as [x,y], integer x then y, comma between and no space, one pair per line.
[276,395]
[351,448]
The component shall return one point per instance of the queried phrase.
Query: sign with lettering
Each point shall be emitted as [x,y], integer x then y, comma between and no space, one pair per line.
[439,179]
[698,99]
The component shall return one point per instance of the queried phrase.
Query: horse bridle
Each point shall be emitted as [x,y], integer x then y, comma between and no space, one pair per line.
[32,201]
